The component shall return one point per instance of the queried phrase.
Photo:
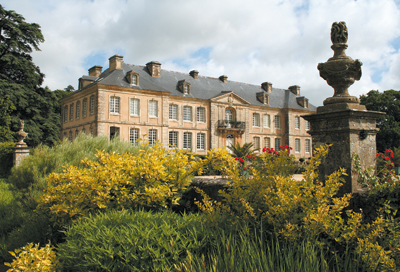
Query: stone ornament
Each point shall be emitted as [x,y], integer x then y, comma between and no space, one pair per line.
[21,134]
[340,71]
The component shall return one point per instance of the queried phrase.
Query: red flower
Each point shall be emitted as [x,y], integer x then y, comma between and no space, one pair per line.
[264,149]
[391,154]
[387,158]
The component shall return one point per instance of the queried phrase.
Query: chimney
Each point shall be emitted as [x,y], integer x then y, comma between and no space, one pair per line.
[116,62]
[95,71]
[267,86]
[223,78]
[154,68]
[295,89]
[194,74]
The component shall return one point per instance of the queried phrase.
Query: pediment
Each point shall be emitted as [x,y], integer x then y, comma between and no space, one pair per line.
[230,98]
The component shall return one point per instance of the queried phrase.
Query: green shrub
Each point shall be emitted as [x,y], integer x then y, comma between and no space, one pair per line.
[131,241]
[6,158]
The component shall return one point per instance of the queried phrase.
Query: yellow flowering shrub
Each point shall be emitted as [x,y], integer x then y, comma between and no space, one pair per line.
[152,179]
[31,258]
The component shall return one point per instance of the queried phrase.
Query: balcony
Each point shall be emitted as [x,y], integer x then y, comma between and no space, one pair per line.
[232,125]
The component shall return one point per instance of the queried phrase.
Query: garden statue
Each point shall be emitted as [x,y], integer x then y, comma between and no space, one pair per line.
[21,134]
[340,71]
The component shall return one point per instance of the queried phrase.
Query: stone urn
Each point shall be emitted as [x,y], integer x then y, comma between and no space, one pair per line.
[340,71]
[21,134]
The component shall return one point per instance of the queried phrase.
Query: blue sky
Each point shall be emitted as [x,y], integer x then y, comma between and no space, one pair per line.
[279,41]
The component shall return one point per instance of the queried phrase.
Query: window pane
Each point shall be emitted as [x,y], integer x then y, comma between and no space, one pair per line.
[65,114]
[187,113]
[201,115]
[152,136]
[256,120]
[92,105]
[173,138]
[78,110]
[71,112]
[297,122]
[297,145]
[277,144]
[256,142]
[201,141]
[267,142]
[84,107]
[134,106]
[114,104]
[173,112]
[267,120]
[187,140]
[228,115]
[134,135]
[307,125]
[153,109]
[308,145]
[277,122]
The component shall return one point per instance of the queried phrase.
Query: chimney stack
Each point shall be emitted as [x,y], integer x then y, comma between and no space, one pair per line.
[267,86]
[223,78]
[95,71]
[116,62]
[194,74]
[295,89]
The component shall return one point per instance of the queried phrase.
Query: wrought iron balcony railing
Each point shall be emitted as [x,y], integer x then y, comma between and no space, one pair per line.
[230,124]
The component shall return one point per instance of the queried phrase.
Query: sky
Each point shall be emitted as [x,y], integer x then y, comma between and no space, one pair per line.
[252,41]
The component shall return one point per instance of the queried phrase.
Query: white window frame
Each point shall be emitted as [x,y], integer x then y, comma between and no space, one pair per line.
[256,142]
[115,104]
[92,104]
[78,110]
[173,139]
[134,106]
[84,108]
[278,144]
[307,124]
[153,108]
[201,115]
[187,140]
[266,121]
[267,142]
[187,113]
[256,120]
[201,141]
[152,136]
[297,122]
[277,121]
[297,144]
[133,136]
[308,146]
[173,112]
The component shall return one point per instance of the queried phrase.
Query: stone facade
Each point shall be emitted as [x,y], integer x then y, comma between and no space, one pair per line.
[188,110]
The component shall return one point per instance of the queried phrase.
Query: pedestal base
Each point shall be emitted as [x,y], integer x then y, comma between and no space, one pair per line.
[20,152]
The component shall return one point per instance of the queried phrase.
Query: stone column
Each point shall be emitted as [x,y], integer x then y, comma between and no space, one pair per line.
[342,121]
[21,150]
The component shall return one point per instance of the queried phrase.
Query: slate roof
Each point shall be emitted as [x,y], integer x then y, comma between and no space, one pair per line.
[203,87]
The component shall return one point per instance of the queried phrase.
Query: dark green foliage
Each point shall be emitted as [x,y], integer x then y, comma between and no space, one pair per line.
[239,151]
[131,241]
[389,102]
[6,107]
[9,210]
[6,158]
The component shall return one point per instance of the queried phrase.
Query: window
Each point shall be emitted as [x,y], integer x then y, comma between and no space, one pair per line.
[277,144]
[201,144]
[134,106]
[186,89]
[153,108]
[256,142]
[84,106]
[228,115]
[65,114]
[187,140]
[134,80]
[78,110]
[83,130]
[297,145]
[201,115]
[266,120]
[114,104]
[133,135]
[307,125]
[173,139]
[92,105]
[152,136]
[308,146]
[114,132]
[297,122]
[256,120]
[187,113]
[70,136]
[76,133]
[91,130]
[65,136]
[71,112]
[267,142]
[277,121]
[173,112]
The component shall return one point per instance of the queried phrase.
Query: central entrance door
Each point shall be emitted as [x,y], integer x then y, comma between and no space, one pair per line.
[230,140]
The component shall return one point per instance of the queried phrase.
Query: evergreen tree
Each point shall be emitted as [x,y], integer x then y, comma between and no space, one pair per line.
[20,80]
[6,107]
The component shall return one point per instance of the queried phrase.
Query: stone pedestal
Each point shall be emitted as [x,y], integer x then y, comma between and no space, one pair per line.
[20,152]
[350,128]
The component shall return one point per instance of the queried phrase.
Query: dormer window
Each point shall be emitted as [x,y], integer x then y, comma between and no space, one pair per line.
[184,87]
[302,101]
[263,98]
[133,78]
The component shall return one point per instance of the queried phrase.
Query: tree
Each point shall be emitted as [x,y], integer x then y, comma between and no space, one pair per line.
[6,106]
[20,80]
[389,102]
[239,151]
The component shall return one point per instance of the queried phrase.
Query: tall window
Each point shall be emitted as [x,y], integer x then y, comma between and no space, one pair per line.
[256,120]
[173,138]
[186,89]
[173,112]
[114,104]
[76,133]
[308,146]
[187,113]
[256,142]
[201,115]
[277,143]
[201,141]
[297,122]
[78,110]
[267,120]
[134,106]
[187,140]
[83,130]
[297,145]
[65,114]
[133,135]
[92,105]
[134,80]
[228,115]
[307,124]
[84,106]
[267,142]
[71,112]
[152,136]
[153,108]
[277,121]
[70,136]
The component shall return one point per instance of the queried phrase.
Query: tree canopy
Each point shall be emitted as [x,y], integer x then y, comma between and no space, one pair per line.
[21,80]
[389,102]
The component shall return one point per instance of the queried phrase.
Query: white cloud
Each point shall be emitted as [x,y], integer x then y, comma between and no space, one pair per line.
[254,41]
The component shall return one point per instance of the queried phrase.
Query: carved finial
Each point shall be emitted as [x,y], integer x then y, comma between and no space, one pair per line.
[339,32]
